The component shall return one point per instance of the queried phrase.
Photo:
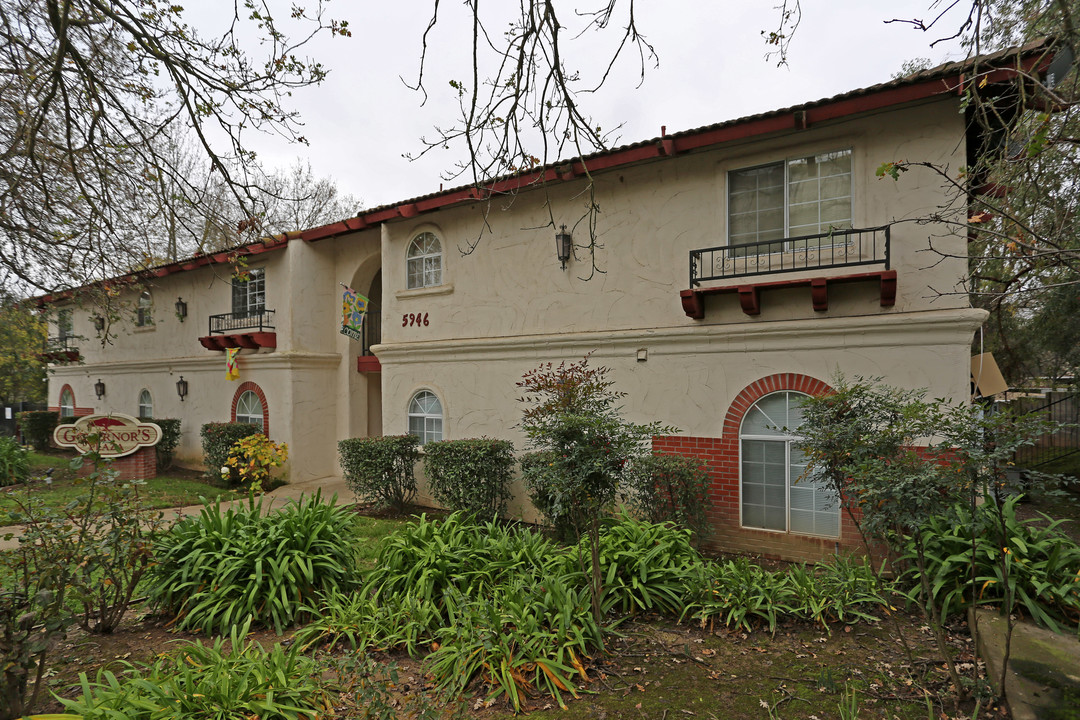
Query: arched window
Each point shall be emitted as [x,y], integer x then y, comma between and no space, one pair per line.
[144,313]
[249,409]
[67,403]
[774,494]
[424,261]
[146,404]
[425,417]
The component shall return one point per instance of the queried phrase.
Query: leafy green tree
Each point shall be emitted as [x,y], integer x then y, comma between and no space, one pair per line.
[572,416]
[22,339]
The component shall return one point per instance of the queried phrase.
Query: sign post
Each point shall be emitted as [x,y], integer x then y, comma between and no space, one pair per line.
[112,436]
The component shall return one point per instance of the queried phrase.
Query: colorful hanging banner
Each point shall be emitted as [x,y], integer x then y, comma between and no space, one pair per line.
[353,308]
[232,367]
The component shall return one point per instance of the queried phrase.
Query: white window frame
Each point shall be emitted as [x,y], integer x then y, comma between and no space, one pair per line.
[249,295]
[248,417]
[146,404]
[782,244]
[432,430]
[423,266]
[787,439]
[144,312]
[67,410]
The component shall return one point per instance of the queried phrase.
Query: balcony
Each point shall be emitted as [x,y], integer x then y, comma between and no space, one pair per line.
[725,268]
[241,330]
[61,349]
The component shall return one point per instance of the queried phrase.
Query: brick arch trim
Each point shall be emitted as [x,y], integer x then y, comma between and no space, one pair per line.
[244,387]
[79,412]
[760,388]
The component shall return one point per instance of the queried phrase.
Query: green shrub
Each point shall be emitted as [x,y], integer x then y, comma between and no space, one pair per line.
[170,438]
[37,427]
[536,469]
[217,441]
[14,462]
[671,488]
[645,566]
[1043,564]
[220,569]
[380,469]
[233,678]
[472,475]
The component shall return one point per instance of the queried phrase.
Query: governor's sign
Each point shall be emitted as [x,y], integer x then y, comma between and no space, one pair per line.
[114,435]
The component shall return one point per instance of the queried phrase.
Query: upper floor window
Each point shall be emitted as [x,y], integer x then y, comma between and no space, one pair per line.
[249,409]
[249,292]
[426,417]
[775,493]
[144,313]
[424,261]
[800,196]
[67,403]
[146,404]
[65,324]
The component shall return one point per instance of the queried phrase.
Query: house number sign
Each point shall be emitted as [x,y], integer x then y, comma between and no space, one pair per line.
[414,319]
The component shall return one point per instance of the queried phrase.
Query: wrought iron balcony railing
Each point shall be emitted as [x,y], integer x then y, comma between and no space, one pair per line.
[839,248]
[229,322]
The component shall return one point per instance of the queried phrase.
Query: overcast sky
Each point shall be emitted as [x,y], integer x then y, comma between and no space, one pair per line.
[363,118]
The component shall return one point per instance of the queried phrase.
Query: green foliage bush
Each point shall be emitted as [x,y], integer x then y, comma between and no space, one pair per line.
[170,438]
[1043,564]
[380,469]
[37,427]
[645,566]
[78,564]
[217,441]
[536,470]
[220,569]
[232,678]
[671,488]
[14,462]
[472,475]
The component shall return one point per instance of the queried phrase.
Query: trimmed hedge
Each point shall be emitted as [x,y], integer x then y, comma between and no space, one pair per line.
[217,441]
[170,438]
[667,487]
[380,469]
[37,427]
[472,475]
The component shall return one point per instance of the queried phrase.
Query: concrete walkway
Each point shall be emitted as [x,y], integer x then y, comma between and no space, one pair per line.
[329,486]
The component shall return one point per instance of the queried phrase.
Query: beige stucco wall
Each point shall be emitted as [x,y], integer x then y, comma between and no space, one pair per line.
[507,306]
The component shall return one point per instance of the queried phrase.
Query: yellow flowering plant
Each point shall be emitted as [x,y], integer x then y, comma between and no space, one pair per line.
[252,458]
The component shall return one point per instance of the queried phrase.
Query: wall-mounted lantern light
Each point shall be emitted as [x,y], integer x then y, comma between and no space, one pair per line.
[99,389]
[564,243]
[181,388]
[99,323]
[181,309]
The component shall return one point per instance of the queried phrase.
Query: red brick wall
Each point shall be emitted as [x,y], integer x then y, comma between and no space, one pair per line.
[140,465]
[721,455]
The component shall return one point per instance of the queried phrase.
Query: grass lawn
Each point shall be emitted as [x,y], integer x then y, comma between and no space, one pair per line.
[176,488]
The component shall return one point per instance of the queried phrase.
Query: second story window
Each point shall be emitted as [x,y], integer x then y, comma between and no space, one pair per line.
[249,292]
[424,261]
[64,324]
[144,313]
[797,197]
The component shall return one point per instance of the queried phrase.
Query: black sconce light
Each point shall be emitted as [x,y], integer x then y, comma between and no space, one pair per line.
[181,309]
[564,243]
[181,388]
[99,323]
[99,389]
